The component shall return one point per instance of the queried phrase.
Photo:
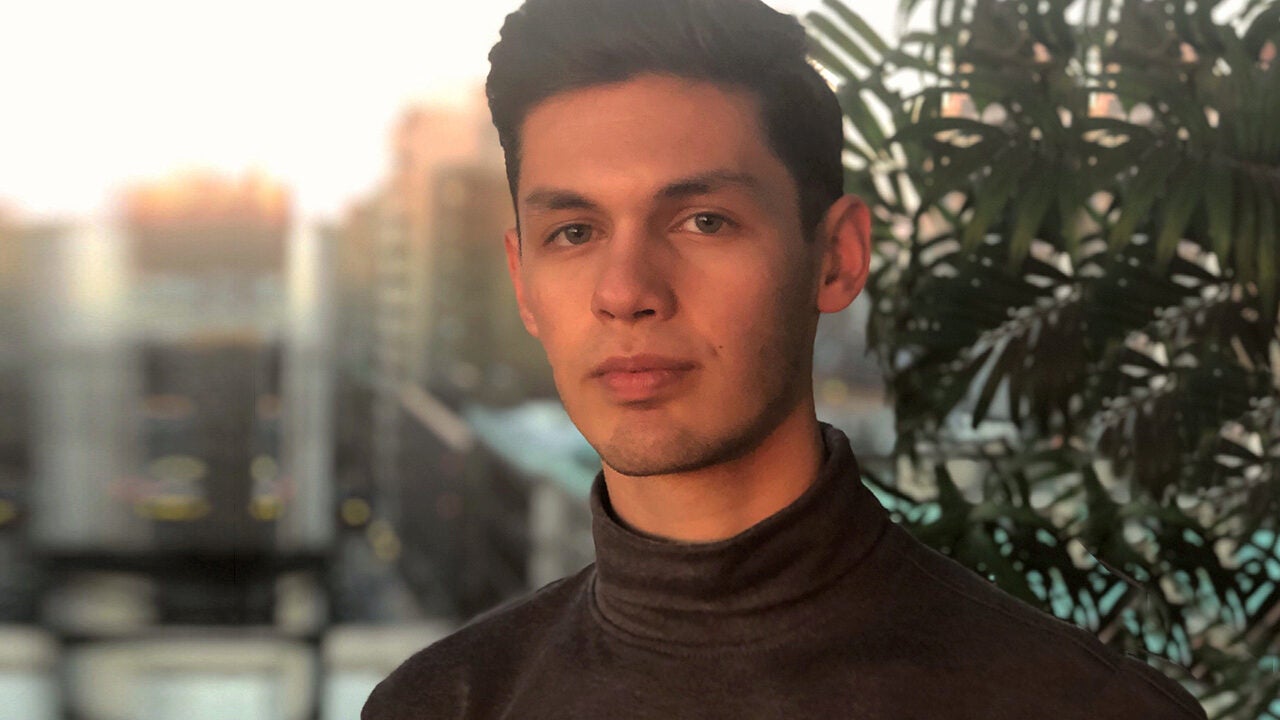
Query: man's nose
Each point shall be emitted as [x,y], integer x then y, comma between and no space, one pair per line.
[634,279]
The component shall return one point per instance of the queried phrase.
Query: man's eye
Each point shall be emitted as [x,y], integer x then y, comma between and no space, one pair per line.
[705,223]
[572,234]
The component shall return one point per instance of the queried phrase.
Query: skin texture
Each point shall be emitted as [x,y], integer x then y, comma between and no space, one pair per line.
[656,221]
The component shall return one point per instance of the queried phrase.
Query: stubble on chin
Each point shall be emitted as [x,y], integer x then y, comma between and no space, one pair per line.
[637,452]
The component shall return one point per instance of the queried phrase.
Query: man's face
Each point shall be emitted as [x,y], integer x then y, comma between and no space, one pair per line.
[662,264]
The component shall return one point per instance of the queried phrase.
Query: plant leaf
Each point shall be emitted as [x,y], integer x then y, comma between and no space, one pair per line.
[860,26]
[1141,193]
[1180,202]
[1219,203]
[1029,210]
[1267,254]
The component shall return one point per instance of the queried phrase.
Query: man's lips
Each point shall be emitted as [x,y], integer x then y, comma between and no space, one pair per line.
[639,364]
[637,378]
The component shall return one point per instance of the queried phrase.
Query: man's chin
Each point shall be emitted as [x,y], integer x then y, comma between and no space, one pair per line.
[666,451]
[639,467]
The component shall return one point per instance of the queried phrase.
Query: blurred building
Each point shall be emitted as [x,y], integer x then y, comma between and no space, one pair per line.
[164,457]
[354,241]
[17,578]
[205,225]
[478,350]
[182,436]
[13,420]
[207,278]
[430,332]
[446,317]
[426,140]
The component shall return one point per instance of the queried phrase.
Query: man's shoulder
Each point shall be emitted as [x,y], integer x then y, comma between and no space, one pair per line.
[1010,639]
[459,670]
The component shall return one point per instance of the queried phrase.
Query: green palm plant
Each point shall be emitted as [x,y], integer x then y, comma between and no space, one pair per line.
[1075,307]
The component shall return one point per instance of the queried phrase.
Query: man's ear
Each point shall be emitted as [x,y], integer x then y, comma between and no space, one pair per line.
[511,241]
[845,237]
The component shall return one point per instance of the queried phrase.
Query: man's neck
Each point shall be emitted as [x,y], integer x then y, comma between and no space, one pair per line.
[720,501]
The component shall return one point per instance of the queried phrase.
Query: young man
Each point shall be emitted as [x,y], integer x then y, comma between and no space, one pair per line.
[675,166]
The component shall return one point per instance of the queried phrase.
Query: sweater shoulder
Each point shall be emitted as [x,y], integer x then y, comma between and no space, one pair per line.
[1017,640]
[474,667]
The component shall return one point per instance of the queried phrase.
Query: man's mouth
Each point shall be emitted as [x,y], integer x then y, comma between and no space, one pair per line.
[639,378]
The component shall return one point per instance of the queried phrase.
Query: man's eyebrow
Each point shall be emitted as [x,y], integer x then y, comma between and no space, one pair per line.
[548,199]
[708,182]
[554,199]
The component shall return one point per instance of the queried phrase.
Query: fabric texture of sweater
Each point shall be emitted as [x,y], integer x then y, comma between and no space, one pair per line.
[826,609]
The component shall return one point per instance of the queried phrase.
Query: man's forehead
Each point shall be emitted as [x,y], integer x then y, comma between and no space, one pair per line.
[644,111]
[667,135]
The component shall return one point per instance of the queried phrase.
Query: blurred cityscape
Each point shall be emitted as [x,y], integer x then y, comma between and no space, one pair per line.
[250,462]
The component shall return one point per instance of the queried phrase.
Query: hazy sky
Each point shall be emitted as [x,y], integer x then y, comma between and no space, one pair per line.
[96,94]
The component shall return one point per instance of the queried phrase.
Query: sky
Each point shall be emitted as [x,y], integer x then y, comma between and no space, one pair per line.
[96,95]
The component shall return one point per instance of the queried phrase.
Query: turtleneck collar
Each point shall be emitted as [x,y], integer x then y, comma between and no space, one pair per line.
[753,585]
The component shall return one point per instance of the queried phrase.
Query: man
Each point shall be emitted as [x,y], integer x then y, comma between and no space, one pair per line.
[675,167]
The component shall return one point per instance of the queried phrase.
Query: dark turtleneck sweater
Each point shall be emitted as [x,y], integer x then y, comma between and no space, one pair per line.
[826,609]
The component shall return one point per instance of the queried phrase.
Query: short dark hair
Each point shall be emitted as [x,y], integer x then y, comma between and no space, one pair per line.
[552,46]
